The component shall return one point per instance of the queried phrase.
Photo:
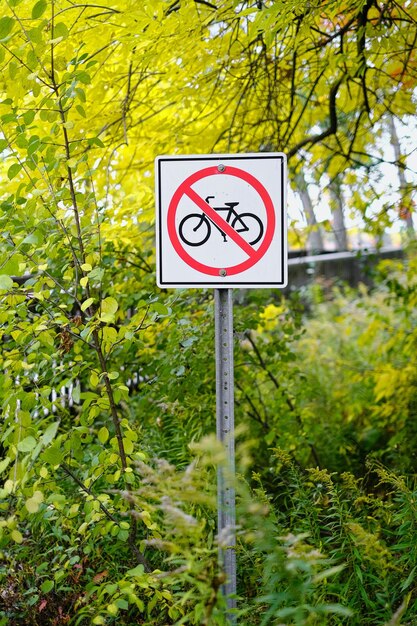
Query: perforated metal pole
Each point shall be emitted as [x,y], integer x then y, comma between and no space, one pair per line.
[225,433]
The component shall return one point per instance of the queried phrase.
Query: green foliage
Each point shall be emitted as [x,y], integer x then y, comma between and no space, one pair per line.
[326,520]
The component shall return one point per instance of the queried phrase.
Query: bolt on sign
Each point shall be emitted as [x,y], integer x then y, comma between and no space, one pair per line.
[221,220]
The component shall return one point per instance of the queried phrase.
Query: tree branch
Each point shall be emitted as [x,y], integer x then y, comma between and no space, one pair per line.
[87,490]
[332,128]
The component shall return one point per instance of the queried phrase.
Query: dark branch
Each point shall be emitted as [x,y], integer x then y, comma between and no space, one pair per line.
[86,489]
[331,130]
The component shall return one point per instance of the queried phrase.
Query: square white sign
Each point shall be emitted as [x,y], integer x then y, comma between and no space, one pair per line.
[221,220]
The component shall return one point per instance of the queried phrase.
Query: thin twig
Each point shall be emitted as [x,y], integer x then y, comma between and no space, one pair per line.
[79,482]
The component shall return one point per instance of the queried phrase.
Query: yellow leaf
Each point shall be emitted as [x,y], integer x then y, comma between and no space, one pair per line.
[386,385]
[146,518]
[109,307]
[32,504]
[112,609]
[94,379]
[16,536]
[87,303]
[128,445]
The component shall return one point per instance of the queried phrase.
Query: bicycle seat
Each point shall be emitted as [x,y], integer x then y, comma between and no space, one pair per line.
[231,204]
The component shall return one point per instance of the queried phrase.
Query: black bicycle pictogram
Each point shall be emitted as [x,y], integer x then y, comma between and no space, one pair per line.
[195,228]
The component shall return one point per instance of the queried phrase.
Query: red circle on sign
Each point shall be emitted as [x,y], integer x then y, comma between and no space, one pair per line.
[185,187]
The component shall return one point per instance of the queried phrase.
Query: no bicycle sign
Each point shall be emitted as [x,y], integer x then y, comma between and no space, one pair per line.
[221,220]
[221,223]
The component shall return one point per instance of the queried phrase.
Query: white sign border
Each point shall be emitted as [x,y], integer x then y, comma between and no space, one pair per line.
[211,282]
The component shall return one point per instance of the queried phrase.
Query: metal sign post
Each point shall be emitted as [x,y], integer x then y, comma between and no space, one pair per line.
[226,526]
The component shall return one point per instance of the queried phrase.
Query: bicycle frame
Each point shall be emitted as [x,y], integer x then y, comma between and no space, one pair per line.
[230,213]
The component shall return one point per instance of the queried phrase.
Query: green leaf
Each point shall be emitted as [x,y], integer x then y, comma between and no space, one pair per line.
[81,110]
[5,282]
[57,499]
[128,445]
[81,94]
[96,274]
[76,392]
[122,604]
[327,573]
[103,434]
[109,307]
[112,609]
[95,141]
[27,444]
[28,117]
[32,60]
[338,609]
[11,267]
[32,504]
[17,536]
[61,30]
[50,433]
[94,379]
[4,463]
[139,570]
[53,455]
[160,309]
[8,117]
[13,170]
[409,579]
[84,78]
[39,9]
[35,35]
[33,238]
[123,535]
[47,586]
[6,27]
[34,143]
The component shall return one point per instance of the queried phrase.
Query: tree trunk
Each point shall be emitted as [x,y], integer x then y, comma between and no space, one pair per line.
[405,201]
[314,239]
[339,227]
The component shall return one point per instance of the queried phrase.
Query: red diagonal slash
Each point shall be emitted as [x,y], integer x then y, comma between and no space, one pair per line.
[219,221]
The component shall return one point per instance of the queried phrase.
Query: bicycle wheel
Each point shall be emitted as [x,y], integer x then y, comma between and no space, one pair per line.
[249,226]
[194,229]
